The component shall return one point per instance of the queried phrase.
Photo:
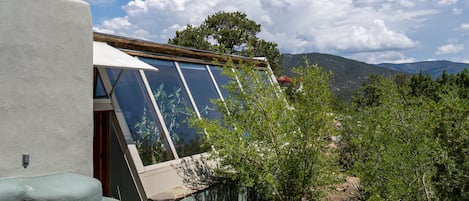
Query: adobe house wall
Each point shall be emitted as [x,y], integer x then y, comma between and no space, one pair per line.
[46,101]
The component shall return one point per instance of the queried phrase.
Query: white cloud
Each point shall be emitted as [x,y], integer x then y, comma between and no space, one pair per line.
[335,26]
[464,27]
[117,23]
[450,49]
[447,2]
[275,3]
[266,19]
[383,57]
[122,26]
[457,11]
[383,4]
[103,30]
[290,44]
[331,26]
[136,7]
[374,37]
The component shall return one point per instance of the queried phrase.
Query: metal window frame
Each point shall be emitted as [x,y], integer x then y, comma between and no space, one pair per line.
[214,81]
[184,83]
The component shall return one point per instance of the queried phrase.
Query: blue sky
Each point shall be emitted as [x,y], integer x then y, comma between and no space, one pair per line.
[373,31]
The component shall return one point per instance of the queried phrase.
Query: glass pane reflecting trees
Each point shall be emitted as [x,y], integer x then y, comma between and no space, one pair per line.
[265,76]
[175,106]
[221,80]
[139,114]
[202,89]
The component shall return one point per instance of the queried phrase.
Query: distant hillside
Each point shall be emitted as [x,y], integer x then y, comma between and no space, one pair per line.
[348,74]
[433,68]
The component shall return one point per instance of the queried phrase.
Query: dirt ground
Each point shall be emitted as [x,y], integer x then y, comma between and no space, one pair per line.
[347,191]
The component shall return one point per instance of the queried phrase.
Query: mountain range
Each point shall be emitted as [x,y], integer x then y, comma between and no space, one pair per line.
[349,74]
[433,68]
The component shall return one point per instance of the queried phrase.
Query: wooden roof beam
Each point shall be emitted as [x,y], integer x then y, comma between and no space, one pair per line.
[147,47]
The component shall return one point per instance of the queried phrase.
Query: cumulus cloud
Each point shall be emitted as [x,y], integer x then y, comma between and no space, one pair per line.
[457,11]
[162,18]
[383,57]
[447,2]
[103,30]
[123,27]
[373,38]
[336,26]
[275,3]
[383,4]
[332,26]
[450,49]
[464,27]
[117,23]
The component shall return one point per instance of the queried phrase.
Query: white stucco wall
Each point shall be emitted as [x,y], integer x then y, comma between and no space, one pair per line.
[45,87]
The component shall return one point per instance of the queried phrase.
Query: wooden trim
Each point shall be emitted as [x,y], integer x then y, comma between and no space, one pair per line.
[172,52]
[172,58]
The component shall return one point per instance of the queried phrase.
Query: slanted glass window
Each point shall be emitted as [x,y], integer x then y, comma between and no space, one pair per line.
[98,89]
[175,106]
[140,117]
[265,76]
[261,77]
[222,80]
[202,89]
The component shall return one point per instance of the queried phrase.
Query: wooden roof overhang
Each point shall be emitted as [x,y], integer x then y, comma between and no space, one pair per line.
[142,48]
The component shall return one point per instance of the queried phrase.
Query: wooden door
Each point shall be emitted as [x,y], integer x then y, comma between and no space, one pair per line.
[101,149]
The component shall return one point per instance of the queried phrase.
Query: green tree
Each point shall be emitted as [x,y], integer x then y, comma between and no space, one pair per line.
[371,93]
[408,139]
[424,86]
[391,146]
[230,33]
[452,133]
[462,82]
[194,37]
[276,148]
